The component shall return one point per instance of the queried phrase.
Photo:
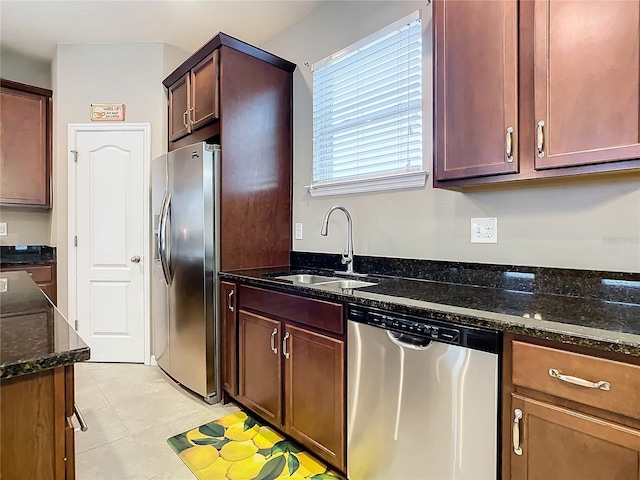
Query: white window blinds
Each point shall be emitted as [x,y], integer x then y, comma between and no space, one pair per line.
[367,107]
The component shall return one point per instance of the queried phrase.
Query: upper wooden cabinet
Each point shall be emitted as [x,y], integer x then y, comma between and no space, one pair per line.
[476,87]
[587,65]
[527,90]
[179,108]
[25,145]
[193,100]
[239,96]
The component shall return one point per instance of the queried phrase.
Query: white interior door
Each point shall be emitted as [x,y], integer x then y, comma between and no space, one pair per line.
[110,229]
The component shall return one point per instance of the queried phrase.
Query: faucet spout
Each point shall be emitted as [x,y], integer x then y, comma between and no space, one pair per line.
[346,258]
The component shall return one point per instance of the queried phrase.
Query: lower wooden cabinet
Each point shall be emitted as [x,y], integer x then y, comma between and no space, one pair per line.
[291,367]
[314,382]
[37,438]
[229,341]
[260,365]
[556,442]
[569,414]
[43,275]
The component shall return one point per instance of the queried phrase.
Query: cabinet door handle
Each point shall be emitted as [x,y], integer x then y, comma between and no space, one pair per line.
[541,139]
[274,349]
[190,116]
[78,414]
[516,431]
[509,144]
[602,385]
[284,345]
[230,302]
[184,119]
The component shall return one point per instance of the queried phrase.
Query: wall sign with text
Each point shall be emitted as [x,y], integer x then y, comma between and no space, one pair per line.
[110,112]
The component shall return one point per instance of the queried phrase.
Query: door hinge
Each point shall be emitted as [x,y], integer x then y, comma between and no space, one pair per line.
[76,324]
[75,240]
[75,155]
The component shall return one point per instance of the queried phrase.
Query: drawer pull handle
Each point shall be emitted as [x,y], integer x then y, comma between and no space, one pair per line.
[602,385]
[273,341]
[516,431]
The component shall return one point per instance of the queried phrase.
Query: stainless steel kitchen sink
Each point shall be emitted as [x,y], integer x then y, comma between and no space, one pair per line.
[351,283]
[308,279]
[320,280]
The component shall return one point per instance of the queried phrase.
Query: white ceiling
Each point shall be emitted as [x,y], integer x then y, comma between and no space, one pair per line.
[34,28]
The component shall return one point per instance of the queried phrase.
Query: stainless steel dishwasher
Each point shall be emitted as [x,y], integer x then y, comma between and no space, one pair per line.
[422,398]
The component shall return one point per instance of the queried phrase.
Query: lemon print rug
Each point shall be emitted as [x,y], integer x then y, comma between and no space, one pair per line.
[238,447]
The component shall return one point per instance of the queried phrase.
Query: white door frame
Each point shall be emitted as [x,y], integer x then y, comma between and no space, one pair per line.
[73,130]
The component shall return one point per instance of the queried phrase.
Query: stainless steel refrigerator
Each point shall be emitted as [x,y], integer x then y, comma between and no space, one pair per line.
[185,220]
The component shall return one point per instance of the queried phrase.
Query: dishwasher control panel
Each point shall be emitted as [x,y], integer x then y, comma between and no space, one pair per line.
[424,327]
[388,322]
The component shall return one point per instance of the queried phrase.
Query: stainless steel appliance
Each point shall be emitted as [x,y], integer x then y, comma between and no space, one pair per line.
[184,190]
[422,398]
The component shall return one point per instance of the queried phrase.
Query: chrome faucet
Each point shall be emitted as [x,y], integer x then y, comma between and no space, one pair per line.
[346,258]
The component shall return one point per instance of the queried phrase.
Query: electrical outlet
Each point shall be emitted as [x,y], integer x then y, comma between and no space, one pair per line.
[298,231]
[484,230]
[3,229]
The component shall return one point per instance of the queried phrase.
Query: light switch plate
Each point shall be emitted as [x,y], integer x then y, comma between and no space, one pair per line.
[3,229]
[298,231]
[4,284]
[484,230]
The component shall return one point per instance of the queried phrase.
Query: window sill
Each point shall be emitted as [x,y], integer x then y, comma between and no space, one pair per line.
[399,181]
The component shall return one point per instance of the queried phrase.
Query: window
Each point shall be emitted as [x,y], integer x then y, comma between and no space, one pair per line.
[367,114]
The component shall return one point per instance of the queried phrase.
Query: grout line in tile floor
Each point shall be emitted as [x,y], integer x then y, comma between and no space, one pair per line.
[131,410]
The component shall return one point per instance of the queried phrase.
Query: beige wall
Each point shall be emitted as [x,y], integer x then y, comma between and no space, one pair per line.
[25,227]
[83,74]
[580,223]
[19,68]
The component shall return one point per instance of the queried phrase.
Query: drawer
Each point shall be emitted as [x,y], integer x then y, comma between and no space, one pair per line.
[40,274]
[316,313]
[531,366]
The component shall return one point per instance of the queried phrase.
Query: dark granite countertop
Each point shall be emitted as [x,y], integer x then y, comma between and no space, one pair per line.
[17,255]
[610,322]
[34,335]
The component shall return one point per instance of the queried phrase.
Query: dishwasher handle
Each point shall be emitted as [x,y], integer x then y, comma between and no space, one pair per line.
[409,341]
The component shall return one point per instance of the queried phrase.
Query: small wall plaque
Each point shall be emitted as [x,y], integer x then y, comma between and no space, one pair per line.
[109,112]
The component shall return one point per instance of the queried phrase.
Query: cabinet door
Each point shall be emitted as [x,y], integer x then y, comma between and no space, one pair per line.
[587,64]
[561,443]
[260,378]
[24,148]
[179,108]
[229,337]
[476,94]
[34,424]
[314,392]
[204,92]
[69,399]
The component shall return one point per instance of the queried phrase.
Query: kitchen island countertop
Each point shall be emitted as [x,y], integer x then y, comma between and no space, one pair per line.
[34,335]
[599,323]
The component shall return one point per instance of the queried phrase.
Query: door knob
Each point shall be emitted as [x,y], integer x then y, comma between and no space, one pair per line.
[135,259]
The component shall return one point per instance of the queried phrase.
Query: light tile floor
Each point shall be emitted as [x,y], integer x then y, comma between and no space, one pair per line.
[131,410]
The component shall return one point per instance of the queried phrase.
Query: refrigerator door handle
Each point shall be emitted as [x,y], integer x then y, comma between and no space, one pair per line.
[162,237]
